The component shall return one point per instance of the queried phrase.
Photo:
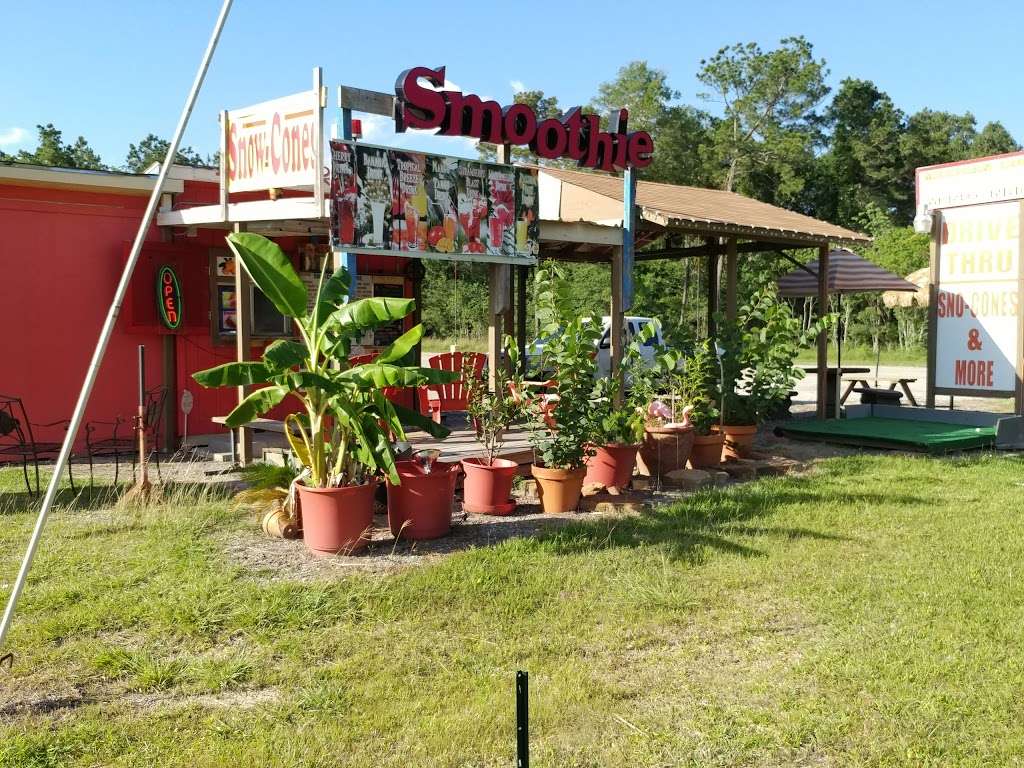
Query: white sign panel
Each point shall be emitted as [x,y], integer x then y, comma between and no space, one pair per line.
[274,144]
[986,180]
[978,293]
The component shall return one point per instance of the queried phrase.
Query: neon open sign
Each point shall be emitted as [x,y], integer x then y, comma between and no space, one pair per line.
[168,297]
[575,135]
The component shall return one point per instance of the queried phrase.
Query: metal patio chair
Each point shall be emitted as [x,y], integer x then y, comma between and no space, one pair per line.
[120,437]
[18,443]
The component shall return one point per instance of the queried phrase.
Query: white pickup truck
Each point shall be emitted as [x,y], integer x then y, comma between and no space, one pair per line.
[633,325]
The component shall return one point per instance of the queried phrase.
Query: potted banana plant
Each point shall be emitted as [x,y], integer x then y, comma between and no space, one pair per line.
[344,431]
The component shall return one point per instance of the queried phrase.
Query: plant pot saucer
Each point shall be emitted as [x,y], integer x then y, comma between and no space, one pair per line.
[491,509]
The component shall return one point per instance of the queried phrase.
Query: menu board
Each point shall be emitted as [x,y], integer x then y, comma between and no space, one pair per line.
[411,203]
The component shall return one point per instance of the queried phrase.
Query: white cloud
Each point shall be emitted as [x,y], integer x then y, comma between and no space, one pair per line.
[517,86]
[14,135]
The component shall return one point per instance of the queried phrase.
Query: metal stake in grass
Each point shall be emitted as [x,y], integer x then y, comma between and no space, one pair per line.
[108,325]
[140,491]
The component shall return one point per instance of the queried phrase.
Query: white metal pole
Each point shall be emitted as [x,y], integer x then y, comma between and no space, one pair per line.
[108,326]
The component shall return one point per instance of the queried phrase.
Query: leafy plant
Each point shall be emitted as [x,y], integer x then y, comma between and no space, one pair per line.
[761,346]
[344,433]
[570,353]
[492,412]
[696,387]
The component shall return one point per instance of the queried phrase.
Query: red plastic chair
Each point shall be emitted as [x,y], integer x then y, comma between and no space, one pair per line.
[437,399]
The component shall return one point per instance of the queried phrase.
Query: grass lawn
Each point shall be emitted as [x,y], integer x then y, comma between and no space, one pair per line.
[857,355]
[867,614]
[434,344]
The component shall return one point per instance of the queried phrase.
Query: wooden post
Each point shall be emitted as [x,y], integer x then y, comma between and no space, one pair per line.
[243,325]
[934,254]
[523,273]
[712,289]
[731,269]
[616,336]
[1018,398]
[498,283]
[822,410]
[169,438]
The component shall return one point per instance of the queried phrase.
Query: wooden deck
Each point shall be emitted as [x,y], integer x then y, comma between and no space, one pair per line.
[462,444]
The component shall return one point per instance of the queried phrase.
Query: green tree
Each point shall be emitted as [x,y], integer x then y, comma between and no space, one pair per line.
[545,107]
[936,137]
[52,150]
[864,164]
[153,149]
[993,139]
[769,128]
[642,90]
[682,137]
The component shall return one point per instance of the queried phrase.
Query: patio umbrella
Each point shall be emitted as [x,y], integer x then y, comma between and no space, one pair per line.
[847,273]
[904,298]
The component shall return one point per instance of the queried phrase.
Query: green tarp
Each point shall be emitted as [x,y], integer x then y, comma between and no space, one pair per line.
[928,436]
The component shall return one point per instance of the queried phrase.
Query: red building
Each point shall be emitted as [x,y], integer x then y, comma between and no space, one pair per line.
[67,234]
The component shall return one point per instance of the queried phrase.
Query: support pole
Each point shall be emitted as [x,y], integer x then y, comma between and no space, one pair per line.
[616,336]
[521,277]
[108,326]
[243,348]
[498,283]
[522,719]
[169,438]
[712,289]
[731,276]
[822,409]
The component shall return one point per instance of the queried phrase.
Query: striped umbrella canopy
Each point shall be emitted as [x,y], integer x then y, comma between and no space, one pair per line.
[847,273]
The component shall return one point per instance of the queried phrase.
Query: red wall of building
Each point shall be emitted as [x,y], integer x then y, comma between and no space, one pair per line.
[61,255]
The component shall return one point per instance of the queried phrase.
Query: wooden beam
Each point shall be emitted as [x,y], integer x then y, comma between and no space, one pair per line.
[755,246]
[934,255]
[822,409]
[521,277]
[498,280]
[243,326]
[169,438]
[579,232]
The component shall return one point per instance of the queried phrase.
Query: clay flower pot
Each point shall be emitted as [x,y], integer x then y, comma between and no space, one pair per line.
[559,489]
[337,520]
[612,465]
[487,490]
[739,441]
[666,449]
[707,451]
[421,507]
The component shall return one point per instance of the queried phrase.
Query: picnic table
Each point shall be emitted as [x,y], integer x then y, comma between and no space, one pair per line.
[257,425]
[833,376]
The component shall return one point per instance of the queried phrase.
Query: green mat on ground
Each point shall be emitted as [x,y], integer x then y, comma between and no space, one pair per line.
[929,436]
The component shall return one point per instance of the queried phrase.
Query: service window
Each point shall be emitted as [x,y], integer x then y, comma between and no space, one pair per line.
[266,320]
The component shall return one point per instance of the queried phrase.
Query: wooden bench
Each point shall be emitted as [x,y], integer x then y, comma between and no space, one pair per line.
[904,384]
[878,396]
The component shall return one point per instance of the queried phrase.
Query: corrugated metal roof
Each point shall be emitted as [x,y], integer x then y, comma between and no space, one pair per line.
[714,209]
[847,273]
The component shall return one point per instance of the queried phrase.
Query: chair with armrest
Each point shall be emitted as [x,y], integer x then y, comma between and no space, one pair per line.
[438,399]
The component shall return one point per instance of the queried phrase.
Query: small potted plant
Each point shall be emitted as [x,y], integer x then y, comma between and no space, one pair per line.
[560,451]
[487,488]
[343,434]
[698,388]
[759,349]
[620,415]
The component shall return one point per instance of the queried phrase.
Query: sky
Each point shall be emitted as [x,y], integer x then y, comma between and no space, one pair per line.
[116,71]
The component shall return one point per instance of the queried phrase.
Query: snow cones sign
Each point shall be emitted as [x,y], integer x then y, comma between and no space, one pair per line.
[416,204]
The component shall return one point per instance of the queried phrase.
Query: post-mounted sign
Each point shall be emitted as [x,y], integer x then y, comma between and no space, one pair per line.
[575,135]
[168,297]
[274,144]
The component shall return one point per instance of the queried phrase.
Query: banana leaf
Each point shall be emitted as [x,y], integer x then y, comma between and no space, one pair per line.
[285,353]
[234,375]
[401,346]
[370,313]
[272,272]
[255,405]
[384,375]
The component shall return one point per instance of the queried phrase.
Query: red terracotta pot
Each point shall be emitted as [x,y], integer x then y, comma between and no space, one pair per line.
[707,451]
[337,520]
[739,441]
[612,465]
[559,489]
[421,507]
[665,449]
[487,490]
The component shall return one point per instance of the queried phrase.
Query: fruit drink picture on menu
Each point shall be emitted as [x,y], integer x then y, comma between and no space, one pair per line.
[344,193]
[442,215]
[376,193]
[501,219]
[527,223]
[410,221]
[473,207]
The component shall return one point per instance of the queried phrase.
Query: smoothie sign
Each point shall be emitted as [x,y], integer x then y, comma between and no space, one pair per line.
[977,299]
[415,204]
[575,135]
